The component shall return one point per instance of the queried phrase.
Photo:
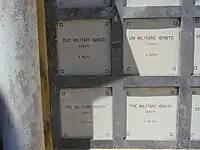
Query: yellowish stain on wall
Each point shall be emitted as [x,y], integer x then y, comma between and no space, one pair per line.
[44,74]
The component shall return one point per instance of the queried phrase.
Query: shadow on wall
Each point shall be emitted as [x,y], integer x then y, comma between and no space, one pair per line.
[1,118]
[5,123]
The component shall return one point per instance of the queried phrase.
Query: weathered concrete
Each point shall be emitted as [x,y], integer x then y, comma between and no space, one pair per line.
[20,76]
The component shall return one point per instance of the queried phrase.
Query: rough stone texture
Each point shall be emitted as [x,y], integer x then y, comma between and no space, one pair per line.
[20,76]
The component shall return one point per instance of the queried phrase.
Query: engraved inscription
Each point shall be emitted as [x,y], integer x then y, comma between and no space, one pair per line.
[147,117]
[196,67]
[84,42]
[86,113]
[84,50]
[151,52]
[135,3]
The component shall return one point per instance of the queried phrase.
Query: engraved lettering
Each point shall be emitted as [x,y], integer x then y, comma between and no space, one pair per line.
[152,37]
[151,108]
[133,106]
[165,106]
[197,108]
[99,106]
[86,106]
[132,38]
[81,39]
[76,107]
[99,39]
[149,121]
[147,106]
[85,39]
[151,54]
[162,106]
[146,38]
[198,36]
[166,37]
[84,45]
[86,122]
[69,107]
[83,106]
[66,40]
[84,57]
[149,111]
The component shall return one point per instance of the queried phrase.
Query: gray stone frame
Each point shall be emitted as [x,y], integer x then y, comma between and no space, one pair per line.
[116,13]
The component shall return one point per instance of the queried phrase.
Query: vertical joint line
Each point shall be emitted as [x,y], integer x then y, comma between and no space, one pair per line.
[117,48]
[119,114]
[186,63]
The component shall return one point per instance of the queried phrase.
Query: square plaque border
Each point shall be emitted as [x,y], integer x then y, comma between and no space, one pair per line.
[80,141]
[117,12]
[128,22]
[109,68]
[152,144]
